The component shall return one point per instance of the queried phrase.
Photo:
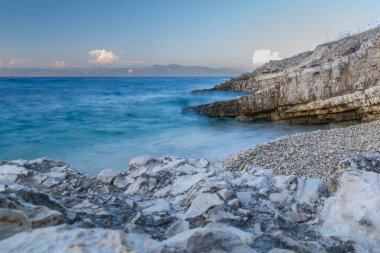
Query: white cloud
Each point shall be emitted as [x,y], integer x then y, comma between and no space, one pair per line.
[265,55]
[58,64]
[18,62]
[102,56]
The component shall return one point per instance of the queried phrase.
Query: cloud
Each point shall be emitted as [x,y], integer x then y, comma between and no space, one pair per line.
[265,55]
[58,64]
[102,56]
[18,62]
[1,63]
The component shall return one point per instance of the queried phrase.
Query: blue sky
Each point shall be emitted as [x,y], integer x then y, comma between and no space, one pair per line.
[216,33]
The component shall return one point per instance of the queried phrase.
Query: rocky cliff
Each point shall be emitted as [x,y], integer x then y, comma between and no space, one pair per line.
[338,81]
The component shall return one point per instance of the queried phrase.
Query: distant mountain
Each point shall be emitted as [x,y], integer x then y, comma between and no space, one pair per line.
[152,71]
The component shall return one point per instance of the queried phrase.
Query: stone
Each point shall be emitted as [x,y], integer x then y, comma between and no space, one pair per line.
[278,250]
[234,203]
[258,183]
[309,190]
[207,240]
[184,183]
[12,222]
[285,182]
[157,206]
[217,214]
[200,163]
[67,239]
[107,175]
[244,197]
[201,203]
[143,161]
[226,194]
[280,198]
[297,216]
[177,227]
[352,214]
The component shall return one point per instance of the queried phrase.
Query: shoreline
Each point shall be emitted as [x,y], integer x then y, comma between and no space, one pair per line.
[176,204]
[312,154]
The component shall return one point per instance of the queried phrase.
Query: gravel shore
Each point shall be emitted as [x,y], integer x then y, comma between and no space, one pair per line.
[313,154]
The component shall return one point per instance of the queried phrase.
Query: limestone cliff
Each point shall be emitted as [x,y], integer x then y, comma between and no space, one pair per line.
[338,81]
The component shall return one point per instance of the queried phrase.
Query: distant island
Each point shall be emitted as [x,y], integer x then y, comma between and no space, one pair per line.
[150,71]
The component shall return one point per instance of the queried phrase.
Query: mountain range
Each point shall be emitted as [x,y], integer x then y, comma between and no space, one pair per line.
[150,71]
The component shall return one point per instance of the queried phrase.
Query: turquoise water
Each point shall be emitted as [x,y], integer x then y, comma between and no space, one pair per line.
[97,123]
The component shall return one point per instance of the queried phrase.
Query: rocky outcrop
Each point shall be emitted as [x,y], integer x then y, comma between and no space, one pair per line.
[338,81]
[182,205]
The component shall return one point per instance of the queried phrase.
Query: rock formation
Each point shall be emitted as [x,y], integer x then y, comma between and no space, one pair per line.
[182,205]
[338,81]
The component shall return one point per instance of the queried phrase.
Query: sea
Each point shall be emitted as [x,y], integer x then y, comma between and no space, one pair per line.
[101,123]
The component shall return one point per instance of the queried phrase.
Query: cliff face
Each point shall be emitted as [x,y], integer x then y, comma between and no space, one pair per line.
[338,81]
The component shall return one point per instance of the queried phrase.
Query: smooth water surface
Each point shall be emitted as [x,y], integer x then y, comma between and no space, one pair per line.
[97,123]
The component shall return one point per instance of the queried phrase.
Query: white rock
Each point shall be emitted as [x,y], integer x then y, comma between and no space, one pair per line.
[201,203]
[309,190]
[157,206]
[226,194]
[353,213]
[217,214]
[200,163]
[107,175]
[280,198]
[244,197]
[284,182]
[177,227]
[12,169]
[184,183]
[63,238]
[12,221]
[258,182]
[8,178]
[143,161]
[211,239]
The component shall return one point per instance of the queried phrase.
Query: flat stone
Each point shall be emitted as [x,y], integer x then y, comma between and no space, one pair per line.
[184,183]
[67,239]
[309,190]
[12,221]
[177,227]
[201,203]
[107,175]
[284,182]
[226,194]
[244,197]
[280,198]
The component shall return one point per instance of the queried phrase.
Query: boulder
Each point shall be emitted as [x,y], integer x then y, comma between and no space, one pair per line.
[352,214]
[67,239]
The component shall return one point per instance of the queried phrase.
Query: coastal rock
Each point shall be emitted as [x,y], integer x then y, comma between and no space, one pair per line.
[209,239]
[67,239]
[12,222]
[352,214]
[201,203]
[173,204]
[309,190]
[338,81]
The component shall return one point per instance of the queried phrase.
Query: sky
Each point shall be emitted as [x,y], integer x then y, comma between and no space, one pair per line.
[239,34]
